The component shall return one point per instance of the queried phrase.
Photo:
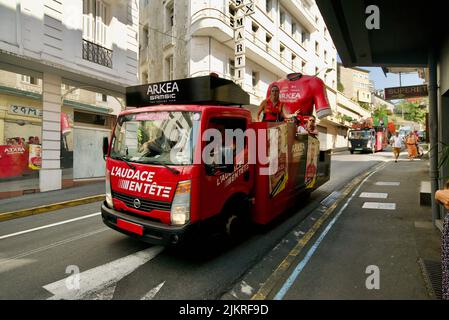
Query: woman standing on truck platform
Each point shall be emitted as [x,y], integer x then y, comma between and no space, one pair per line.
[273,108]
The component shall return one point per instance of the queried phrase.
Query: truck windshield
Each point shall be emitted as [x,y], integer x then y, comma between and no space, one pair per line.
[165,138]
[362,134]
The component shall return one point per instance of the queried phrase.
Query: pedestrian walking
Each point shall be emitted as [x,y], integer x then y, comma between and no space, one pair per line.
[410,142]
[442,196]
[396,143]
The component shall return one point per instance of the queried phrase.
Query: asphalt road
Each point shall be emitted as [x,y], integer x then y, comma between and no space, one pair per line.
[40,255]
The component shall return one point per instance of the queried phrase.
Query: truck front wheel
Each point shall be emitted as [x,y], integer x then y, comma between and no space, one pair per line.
[236,224]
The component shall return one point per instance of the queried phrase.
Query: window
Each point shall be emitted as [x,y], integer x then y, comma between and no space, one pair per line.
[268,41]
[144,78]
[294,29]
[281,51]
[145,37]
[29,79]
[293,60]
[96,16]
[169,67]
[316,71]
[254,28]
[232,68]
[317,48]
[282,19]
[268,6]
[303,66]
[102,97]
[170,15]
[304,38]
[325,56]
[255,79]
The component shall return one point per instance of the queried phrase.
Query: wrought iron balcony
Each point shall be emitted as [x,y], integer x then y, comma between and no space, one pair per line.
[96,53]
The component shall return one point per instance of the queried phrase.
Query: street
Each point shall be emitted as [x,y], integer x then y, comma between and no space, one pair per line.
[40,255]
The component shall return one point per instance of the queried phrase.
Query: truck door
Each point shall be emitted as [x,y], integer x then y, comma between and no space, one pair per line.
[222,181]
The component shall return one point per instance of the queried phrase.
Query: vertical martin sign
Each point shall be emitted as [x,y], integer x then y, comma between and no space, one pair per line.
[244,8]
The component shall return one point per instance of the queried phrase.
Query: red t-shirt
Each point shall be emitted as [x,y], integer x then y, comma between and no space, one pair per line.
[303,93]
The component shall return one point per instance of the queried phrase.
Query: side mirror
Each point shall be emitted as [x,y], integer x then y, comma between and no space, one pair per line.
[105,146]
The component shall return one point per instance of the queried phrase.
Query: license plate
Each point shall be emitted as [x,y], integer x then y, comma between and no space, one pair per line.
[129,226]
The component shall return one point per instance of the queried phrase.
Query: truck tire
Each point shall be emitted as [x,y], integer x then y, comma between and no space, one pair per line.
[236,223]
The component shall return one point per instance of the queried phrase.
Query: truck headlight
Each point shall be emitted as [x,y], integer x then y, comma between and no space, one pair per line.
[109,201]
[180,210]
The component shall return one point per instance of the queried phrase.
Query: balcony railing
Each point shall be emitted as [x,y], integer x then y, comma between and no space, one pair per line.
[97,54]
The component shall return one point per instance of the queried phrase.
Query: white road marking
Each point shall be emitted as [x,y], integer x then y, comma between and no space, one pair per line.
[102,277]
[153,292]
[379,205]
[49,226]
[53,245]
[384,183]
[375,195]
[302,264]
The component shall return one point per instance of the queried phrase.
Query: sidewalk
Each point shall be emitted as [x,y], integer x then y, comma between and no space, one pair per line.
[29,204]
[337,259]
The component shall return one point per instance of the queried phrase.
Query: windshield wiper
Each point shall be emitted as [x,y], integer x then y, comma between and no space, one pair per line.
[125,161]
[173,170]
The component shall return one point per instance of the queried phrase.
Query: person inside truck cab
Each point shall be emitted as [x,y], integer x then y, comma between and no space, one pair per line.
[157,146]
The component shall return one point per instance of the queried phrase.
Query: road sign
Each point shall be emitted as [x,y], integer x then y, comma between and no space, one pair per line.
[406,92]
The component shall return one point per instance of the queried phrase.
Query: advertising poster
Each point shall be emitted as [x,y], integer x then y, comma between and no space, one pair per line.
[35,157]
[313,150]
[13,161]
[277,153]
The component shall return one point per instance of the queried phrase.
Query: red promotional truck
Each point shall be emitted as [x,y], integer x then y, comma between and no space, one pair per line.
[366,137]
[165,177]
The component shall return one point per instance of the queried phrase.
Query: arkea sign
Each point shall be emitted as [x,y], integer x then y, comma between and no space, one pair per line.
[406,92]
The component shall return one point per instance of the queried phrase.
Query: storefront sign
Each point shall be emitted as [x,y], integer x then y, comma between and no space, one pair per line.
[25,111]
[406,92]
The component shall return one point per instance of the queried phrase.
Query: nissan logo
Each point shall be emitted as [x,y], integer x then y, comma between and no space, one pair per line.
[136,203]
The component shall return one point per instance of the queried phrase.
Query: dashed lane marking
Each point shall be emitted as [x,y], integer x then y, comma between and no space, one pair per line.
[49,226]
[379,206]
[388,183]
[374,195]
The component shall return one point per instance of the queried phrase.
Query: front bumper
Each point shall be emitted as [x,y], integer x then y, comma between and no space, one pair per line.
[153,232]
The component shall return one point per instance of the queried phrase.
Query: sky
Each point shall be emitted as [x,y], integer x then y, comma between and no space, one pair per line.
[392,80]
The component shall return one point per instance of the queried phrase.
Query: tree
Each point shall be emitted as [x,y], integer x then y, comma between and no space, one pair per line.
[340,87]
[412,111]
[381,111]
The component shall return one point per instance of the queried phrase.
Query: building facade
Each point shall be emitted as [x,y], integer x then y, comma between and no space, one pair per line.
[356,84]
[181,38]
[63,69]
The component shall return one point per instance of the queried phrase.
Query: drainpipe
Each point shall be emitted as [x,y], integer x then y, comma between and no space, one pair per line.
[433,127]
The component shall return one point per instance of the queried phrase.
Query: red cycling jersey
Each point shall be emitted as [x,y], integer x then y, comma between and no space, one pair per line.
[302,92]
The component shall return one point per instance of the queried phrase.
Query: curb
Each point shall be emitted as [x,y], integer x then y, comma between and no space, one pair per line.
[50,207]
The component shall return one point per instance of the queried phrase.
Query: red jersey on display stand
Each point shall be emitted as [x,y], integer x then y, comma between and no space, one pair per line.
[302,92]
